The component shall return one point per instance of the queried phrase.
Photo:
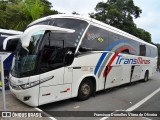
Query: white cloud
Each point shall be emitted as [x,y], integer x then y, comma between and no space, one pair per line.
[82,7]
[149,18]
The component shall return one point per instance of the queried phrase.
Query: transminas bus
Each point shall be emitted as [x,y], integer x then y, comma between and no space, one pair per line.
[66,56]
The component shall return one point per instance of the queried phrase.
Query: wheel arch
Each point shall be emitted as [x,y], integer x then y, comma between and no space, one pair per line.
[90,76]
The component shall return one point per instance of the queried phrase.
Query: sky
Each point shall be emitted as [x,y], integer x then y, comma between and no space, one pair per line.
[148,20]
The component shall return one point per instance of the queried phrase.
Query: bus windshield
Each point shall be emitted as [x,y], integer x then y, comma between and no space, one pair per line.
[25,58]
[48,47]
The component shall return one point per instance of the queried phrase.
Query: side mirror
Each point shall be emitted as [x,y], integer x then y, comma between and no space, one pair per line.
[10,43]
[69,57]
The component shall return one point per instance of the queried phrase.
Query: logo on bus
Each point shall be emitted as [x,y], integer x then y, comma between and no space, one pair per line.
[139,60]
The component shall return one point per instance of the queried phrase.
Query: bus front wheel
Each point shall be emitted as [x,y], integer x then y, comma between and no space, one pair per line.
[85,90]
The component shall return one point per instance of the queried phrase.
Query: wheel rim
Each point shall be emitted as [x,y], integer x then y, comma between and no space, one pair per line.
[85,89]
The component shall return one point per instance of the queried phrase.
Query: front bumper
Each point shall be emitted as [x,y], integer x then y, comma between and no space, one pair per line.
[28,96]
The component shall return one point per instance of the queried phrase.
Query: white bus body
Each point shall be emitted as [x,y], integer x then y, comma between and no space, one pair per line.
[66,56]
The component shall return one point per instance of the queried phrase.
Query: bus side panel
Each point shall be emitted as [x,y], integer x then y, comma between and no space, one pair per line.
[54,93]
[117,76]
[57,77]
[126,74]
[137,73]
[84,66]
[68,74]
[114,77]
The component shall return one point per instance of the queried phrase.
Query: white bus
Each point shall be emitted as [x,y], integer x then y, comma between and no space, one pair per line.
[4,34]
[66,56]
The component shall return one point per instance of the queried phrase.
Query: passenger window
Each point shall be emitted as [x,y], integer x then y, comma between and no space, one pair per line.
[154,52]
[148,51]
[114,37]
[142,50]
[135,45]
[53,49]
[71,40]
[96,39]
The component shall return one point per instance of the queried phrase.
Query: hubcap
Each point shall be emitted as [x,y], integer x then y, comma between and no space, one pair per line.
[85,89]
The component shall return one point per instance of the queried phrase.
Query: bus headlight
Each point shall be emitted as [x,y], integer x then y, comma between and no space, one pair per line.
[29,85]
[32,84]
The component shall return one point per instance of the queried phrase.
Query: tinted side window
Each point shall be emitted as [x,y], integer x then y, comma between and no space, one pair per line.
[148,51]
[154,52]
[71,40]
[96,39]
[46,22]
[142,50]
[134,44]
[114,37]
[126,41]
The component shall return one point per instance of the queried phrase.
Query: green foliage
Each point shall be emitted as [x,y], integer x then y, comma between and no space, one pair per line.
[142,34]
[120,14]
[13,16]
[17,14]
[34,8]
[75,13]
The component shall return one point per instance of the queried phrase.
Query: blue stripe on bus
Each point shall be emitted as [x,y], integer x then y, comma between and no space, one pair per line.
[8,62]
[100,62]
[105,53]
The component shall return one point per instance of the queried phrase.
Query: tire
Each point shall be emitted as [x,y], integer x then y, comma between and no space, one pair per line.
[85,90]
[146,76]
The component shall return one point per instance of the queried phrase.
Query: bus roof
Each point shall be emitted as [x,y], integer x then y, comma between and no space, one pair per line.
[110,28]
[10,31]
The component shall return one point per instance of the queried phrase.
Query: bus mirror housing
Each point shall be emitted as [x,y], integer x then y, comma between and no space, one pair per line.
[69,58]
[10,43]
[26,36]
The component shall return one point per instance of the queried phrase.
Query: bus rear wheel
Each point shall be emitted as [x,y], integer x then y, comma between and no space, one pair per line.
[85,90]
[146,76]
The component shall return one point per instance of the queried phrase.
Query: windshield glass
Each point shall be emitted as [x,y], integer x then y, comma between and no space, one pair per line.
[48,48]
[25,59]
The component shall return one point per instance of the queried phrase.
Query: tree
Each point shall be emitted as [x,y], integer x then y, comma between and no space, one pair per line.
[14,16]
[34,8]
[116,11]
[75,13]
[142,34]
[120,14]
[17,14]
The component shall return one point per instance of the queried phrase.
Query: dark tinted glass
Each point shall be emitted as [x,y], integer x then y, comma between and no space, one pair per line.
[96,39]
[154,52]
[142,50]
[71,39]
[46,22]
[135,45]
[148,51]
[113,37]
